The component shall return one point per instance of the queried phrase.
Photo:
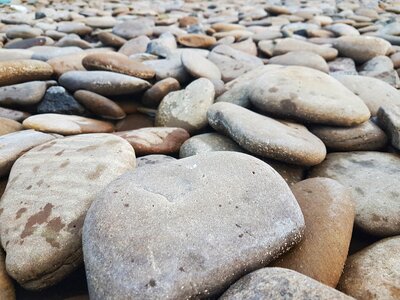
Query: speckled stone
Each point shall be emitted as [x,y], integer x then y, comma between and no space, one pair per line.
[17,71]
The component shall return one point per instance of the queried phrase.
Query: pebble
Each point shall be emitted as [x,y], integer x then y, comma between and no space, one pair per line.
[57,100]
[198,66]
[134,28]
[328,211]
[155,140]
[7,290]
[153,159]
[301,58]
[389,119]
[9,126]
[284,46]
[215,235]
[196,40]
[42,239]
[28,93]
[365,173]
[13,114]
[18,71]
[154,95]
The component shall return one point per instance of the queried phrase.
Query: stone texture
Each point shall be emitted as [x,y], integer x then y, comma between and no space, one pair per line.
[389,120]
[17,71]
[9,126]
[283,141]
[373,273]
[198,66]
[155,140]
[153,159]
[28,93]
[372,177]
[301,58]
[329,215]
[220,226]
[133,28]
[57,100]
[66,124]
[41,220]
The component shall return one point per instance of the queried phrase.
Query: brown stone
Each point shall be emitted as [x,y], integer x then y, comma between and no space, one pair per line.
[17,71]
[8,126]
[196,40]
[134,121]
[12,114]
[153,96]
[65,63]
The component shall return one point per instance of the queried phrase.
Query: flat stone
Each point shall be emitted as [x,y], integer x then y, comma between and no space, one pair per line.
[153,96]
[8,126]
[119,63]
[25,43]
[381,67]
[389,120]
[342,66]
[328,211]
[134,121]
[198,66]
[187,108]
[153,159]
[42,219]
[135,45]
[155,140]
[290,92]
[163,46]
[166,68]
[278,283]
[372,273]
[374,92]
[220,229]
[102,82]
[100,22]
[208,142]
[13,145]
[341,29]
[134,28]
[17,71]
[28,93]
[23,31]
[364,137]
[66,124]
[372,177]
[46,53]
[66,63]
[196,40]
[12,114]
[14,54]
[99,105]
[361,48]
[110,39]
[57,100]
[301,58]
[283,141]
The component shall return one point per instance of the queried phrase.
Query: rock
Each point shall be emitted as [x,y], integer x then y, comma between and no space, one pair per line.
[329,215]
[134,121]
[17,71]
[135,45]
[66,63]
[341,29]
[102,82]
[198,66]
[65,124]
[9,126]
[27,93]
[155,140]
[14,54]
[74,27]
[153,96]
[389,120]
[23,31]
[42,219]
[57,100]
[203,201]
[284,46]
[372,177]
[187,108]
[381,67]
[26,43]
[373,92]
[167,68]
[119,63]
[290,173]
[207,142]
[13,114]
[364,137]
[279,283]
[196,40]
[289,92]
[153,159]
[369,273]
[100,22]
[301,58]
[361,48]
[163,46]
[7,291]
[99,105]
[283,141]
[13,145]
[134,28]
[46,53]
[110,39]
[342,66]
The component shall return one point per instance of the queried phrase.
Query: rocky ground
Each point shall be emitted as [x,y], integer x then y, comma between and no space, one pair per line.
[200,149]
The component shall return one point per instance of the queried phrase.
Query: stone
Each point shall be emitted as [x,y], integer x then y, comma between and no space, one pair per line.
[283,141]
[153,96]
[133,28]
[372,273]
[102,82]
[374,92]
[196,40]
[284,46]
[12,114]
[364,137]
[342,66]
[341,30]
[23,31]
[361,48]
[328,211]
[7,291]
[169,68]
[164,46]
[187,108]
[57,100]
[9,126]
[135,45]
[289,92]
[301,58]
[153,159]
[99,105]
[28,93]
[26,43]
[100,22]
[155,140]
[13,145]
[42,219]
[66,63]
[46,53]
[279,283]
[198,66]
[18,71]
[110,39]
[372,178]
[74,27]
[134,121]
[119,63]
[381,67]
[389,120]
[14,54]
[220,226]
[207,142]
[66,124]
